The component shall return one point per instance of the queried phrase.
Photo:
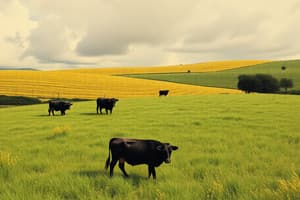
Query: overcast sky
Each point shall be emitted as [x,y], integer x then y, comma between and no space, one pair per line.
[103,33]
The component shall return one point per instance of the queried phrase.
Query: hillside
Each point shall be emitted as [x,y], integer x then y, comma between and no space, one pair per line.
[198,67]
[103,82]
[92,83]
[228,78]
[65,84]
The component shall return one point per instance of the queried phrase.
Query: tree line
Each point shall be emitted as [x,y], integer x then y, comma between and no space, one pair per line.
[263,83]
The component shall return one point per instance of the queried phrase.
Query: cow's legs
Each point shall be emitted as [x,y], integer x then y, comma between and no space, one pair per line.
[153,173]
[106,110]
[53,112]
[122,166]
[112,165]
[151,170]
[49,111]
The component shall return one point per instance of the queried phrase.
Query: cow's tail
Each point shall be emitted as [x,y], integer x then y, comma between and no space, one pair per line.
[108,159]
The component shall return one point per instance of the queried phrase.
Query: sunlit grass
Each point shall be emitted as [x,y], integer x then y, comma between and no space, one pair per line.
[289,189]
[230,147]
[59,131]
[285,188]
[6,159]
[7,163]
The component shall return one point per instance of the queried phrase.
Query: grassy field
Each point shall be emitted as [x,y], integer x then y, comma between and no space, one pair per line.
[230,147]
[229,78]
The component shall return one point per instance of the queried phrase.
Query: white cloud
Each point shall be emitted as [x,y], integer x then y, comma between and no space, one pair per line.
[235,30]
[136,32]
[15,27]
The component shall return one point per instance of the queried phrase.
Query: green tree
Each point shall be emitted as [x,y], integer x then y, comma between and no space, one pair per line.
[286,83]
[248,83]
[263,83]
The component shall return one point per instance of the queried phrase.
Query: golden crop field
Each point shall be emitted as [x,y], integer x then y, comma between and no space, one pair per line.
[100,82]
[67,84]
[199,67]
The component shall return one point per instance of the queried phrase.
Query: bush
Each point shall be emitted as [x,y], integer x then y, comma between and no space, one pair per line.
[262,83]
[18,100]
[248,83]
[286,83]
[269,83]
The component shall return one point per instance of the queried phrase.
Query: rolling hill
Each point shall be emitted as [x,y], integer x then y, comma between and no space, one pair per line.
[92,83]
[229,78]
[198,67]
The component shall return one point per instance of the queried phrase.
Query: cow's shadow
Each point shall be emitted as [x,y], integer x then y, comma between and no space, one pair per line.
[92,173]
[137,179]
[47,115]
[134,178]
[43,115]
[94,114]
[89,113]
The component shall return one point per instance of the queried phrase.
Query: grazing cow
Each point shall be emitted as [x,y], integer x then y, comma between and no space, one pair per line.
[150,152]
[56,105]
[107,103]
[163,92]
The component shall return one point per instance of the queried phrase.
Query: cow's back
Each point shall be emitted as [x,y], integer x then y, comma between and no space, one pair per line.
[53,104]
[100,100]
[135,151]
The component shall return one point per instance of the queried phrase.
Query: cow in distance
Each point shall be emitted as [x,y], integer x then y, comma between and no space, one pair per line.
[57,105]
[163,92]
[106,103]
[136,151]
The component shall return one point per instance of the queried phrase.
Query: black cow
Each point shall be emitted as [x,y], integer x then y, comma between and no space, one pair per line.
[163,92]
[56,105]
[150,152]
[107,103]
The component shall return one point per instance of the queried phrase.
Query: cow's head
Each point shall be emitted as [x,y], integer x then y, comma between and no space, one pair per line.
[67,105]
[114,100]
[166,151]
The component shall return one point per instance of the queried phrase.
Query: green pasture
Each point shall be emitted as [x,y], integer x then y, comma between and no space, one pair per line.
[230,147]
[229,78]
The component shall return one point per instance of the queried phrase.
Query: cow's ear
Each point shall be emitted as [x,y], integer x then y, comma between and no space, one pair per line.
[160,148]
[174,148]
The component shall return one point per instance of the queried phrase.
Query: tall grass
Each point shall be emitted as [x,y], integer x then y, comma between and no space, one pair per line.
[230,147]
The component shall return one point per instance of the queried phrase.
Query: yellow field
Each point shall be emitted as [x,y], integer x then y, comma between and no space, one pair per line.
[199,67]
[92,83]
[65,84]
